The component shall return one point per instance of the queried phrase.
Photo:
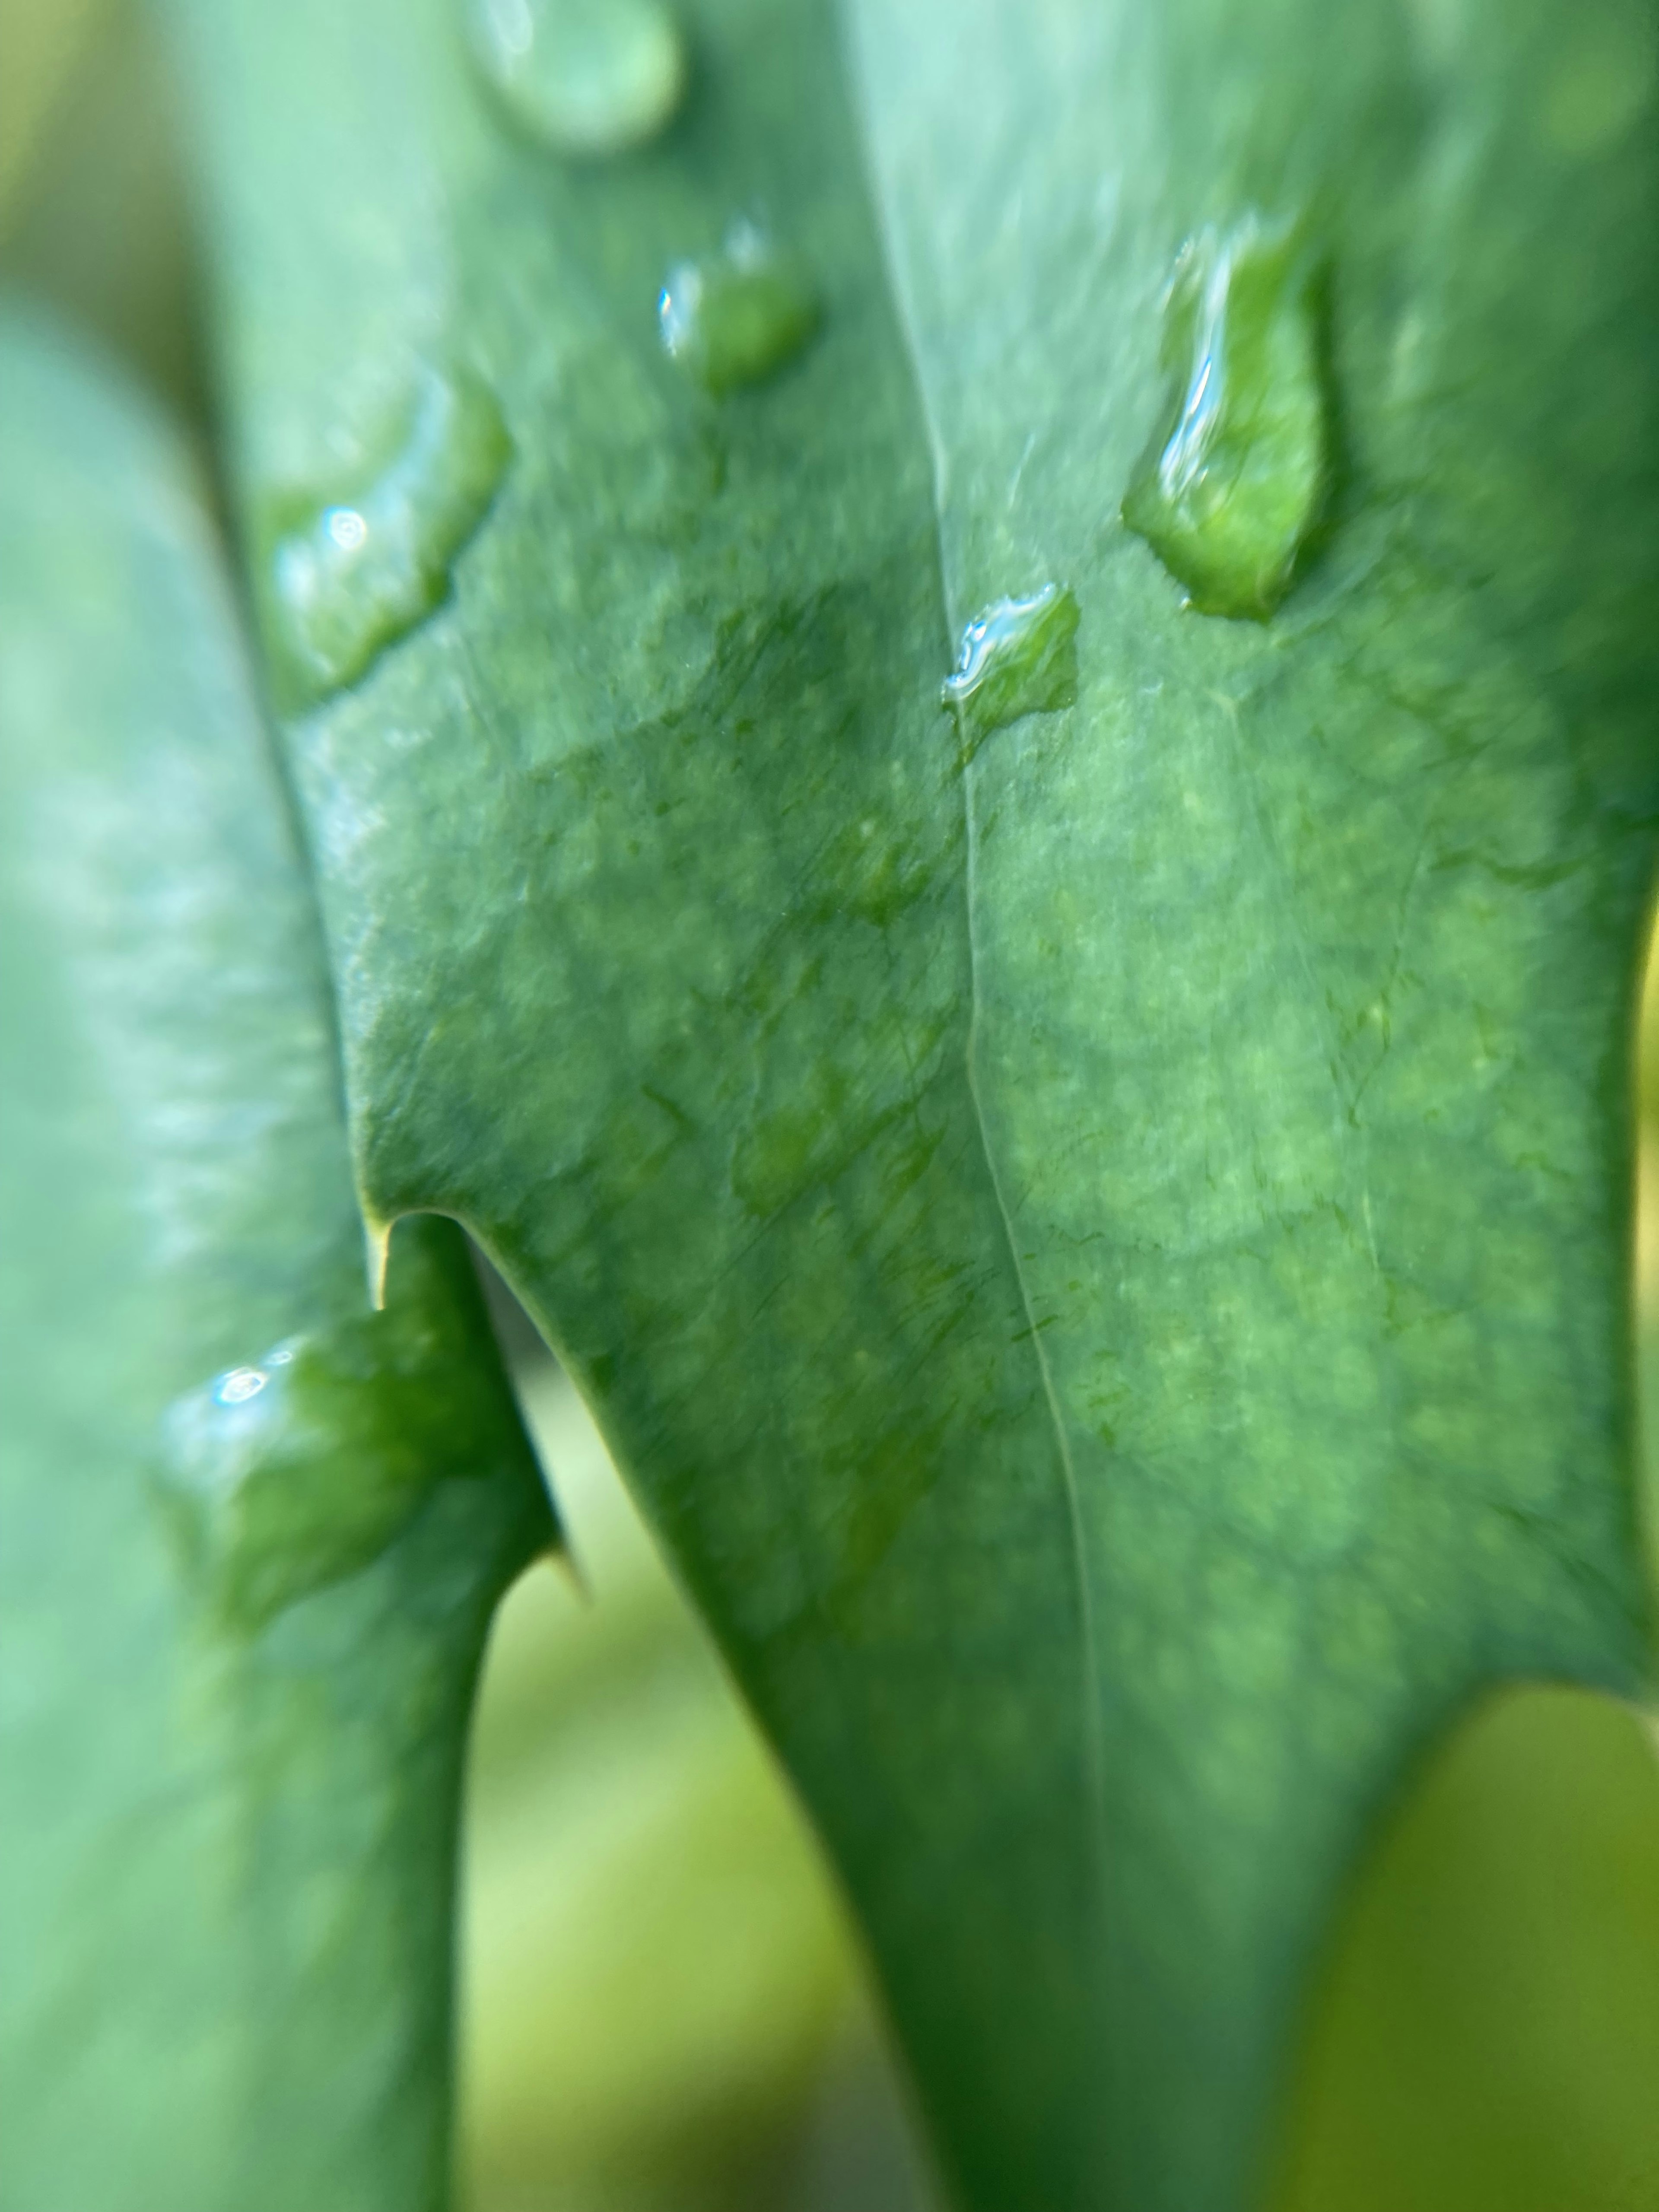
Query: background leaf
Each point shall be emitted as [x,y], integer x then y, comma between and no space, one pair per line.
[253,1532]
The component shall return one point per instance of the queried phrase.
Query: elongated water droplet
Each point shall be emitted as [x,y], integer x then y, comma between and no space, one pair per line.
[1237,473]
[1019,657]
[737,316]
[349,574]
[588,77]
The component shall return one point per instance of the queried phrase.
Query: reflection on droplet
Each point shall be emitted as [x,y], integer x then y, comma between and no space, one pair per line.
[1238,474]
[1017,657]
[346,527]
[584,77]
[239,1385]
[736,316]
[348,577]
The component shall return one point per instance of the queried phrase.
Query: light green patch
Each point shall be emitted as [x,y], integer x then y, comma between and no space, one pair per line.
[1605,80]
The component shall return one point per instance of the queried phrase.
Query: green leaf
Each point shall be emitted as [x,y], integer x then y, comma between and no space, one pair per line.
[1306,957]
[1107,1259]
[253,1532]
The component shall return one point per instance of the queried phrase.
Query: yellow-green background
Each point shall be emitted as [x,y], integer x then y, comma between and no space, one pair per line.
[661,2006]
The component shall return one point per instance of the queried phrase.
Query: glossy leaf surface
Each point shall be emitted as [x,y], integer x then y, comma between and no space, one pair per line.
[252,1531]
[1108,1259]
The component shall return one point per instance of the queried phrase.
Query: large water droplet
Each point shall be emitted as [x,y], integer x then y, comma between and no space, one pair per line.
[284,1475]
[1019,657]
[585,76]
[737,316]
[350,575]
[1238,474]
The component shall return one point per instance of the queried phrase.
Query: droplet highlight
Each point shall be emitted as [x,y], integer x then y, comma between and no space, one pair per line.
[236,1387]
[586,77]
[1017,657]
[1238,474]
[350,575]
[738,316]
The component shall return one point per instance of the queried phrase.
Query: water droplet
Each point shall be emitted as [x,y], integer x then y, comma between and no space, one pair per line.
[737,316]
[346,527]
[348,577]
[1239,472]
[236,1387]
[585,76]
[287,1474]
[1019,657]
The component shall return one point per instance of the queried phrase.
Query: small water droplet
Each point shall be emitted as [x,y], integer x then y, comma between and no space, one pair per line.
[1017,657]
[588,77]
[348,577]
[737,316]
[1238,474]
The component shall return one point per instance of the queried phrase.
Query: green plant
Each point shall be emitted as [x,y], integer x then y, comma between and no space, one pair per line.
[1096,1220]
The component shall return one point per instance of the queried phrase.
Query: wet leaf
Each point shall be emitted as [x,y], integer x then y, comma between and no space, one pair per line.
[1109,1264]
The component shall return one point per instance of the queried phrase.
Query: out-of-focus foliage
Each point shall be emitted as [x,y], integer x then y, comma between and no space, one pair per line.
[1489,2038]
[91,207]
[253,1532]
[43,42]
[660,2004]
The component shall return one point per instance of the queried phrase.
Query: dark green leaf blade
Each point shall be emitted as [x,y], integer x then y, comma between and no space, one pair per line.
[642,868]
[1306,957]
[253,1533]
[961,1201]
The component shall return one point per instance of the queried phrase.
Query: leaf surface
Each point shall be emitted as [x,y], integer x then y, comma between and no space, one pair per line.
[1305,955]
[1101,1234]
[253,1531]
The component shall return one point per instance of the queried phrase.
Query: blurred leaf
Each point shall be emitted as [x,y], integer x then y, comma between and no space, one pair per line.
[42,40]
[94,224]
[1109,1260]
[659,2009]
[1488,2035]
[253,1533]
